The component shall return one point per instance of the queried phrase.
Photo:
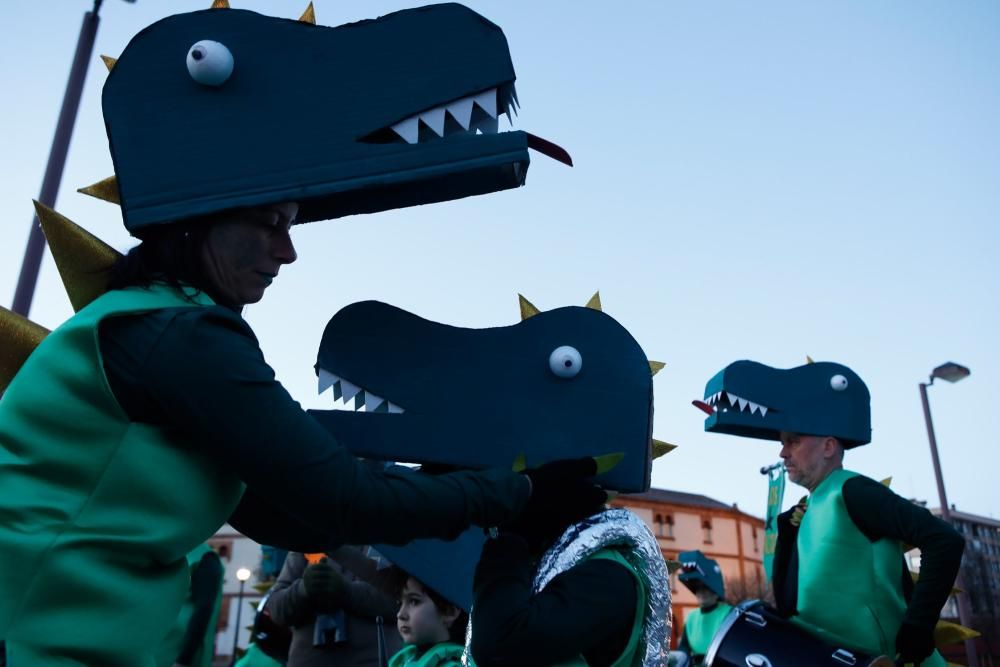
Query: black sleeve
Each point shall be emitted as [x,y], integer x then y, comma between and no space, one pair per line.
[200,372]
[880,513]
[588,610]
[785,566]
[206,580]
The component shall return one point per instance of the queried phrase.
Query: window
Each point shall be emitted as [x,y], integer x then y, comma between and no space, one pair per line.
[706,527]
[664,526]
[756,540]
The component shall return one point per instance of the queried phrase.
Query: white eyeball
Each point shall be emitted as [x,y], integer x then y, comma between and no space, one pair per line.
[209,63]
[565,361]
[838,382]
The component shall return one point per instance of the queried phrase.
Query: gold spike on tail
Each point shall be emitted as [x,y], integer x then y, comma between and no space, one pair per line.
[105,190]
[309,15]
[19,337]
[527,308]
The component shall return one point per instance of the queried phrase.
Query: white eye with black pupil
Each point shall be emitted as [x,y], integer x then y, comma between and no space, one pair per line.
[209,63]
[838,382]
[565,361]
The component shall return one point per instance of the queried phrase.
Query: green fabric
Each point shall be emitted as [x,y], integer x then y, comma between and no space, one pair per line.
[170,648]
[254,657]
[700,627]
[445,654]
[98,513]
[849,588]
[634,652]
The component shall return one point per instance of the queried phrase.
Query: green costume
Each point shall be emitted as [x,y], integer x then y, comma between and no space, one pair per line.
[633,653]
[700,627]
[173,645]
[838,566]
[254,657]
[93,563]
[445,654]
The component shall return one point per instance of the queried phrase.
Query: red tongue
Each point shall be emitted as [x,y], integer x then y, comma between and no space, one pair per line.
[546,147]
[704,407]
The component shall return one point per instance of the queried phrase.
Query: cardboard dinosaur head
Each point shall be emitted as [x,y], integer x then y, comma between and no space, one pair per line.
[225,108]
[565,383]
[699,571]
[823,398]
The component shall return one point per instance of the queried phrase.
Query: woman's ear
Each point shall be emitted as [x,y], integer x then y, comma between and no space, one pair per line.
[450,615]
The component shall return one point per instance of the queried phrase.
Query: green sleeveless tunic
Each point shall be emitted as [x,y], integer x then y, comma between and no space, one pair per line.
[97,513]
[849,589]
[700,628]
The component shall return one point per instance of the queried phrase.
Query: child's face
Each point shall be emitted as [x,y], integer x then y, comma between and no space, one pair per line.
[418,619]
[706,598]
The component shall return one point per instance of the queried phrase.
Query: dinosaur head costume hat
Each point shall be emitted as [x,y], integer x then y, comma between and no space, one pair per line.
[698,570]
[225,108]
[823,398]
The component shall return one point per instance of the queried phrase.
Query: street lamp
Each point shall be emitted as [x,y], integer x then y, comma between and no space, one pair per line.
[949,372]
[28,278]
[242,574]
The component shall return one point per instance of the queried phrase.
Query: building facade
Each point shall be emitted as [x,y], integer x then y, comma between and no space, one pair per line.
[688,521]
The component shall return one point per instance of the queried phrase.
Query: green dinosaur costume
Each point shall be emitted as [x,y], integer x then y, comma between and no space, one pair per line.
[96,539]
[700,626]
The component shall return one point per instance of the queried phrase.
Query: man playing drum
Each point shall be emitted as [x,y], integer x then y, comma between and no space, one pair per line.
[838,569]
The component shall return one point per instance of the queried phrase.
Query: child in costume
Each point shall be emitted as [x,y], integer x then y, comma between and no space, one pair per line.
[137,428]
[432,628]
[704,578]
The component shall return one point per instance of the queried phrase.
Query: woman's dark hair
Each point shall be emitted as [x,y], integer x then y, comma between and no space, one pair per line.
[166,254]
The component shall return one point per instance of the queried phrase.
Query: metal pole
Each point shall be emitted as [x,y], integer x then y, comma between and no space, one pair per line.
[28,278]
[236,630]
[964,613]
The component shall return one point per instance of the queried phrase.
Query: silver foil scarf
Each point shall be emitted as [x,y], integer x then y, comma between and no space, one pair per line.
[614,527]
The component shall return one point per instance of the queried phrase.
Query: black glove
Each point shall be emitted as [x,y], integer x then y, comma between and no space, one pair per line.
[324,585]
[913,644]
[560,496]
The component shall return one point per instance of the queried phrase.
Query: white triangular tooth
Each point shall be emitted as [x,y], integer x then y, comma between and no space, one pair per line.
[461,111]
[326,380]
[488,126]
[349,389]
[408,129]
[372,401]
[513,96]
[743,403]
[763,411]
[732,398]
[434,119]
[487,101]
[753,408]
[395,409]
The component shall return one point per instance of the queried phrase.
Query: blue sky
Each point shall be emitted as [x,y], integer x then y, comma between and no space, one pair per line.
[753,180]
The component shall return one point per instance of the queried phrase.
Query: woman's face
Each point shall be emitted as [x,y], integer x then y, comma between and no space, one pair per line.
[244,249]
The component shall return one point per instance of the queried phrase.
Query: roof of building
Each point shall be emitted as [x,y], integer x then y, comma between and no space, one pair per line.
[679,498]
[969,518]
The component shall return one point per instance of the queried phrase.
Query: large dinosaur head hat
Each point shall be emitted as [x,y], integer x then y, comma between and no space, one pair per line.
[700,571]
[823,398]
[560,384]
[225,108]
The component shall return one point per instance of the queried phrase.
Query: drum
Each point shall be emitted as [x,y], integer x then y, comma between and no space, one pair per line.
[754,635]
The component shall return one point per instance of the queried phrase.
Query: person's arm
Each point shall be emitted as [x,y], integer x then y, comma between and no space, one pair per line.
[287,600]
[206,580]
[202,374]
[589,608]
[684,646]
[880,513]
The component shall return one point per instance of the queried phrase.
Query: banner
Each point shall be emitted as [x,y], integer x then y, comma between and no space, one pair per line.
[775,494]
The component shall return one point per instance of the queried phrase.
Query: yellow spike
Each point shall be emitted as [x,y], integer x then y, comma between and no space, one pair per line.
[887,481]
[527,308]
[83,259]
[106,190]
[673,566]
[946,633]
[809,360]
[19,337]
[220,4]
[309,15]
[660,448]
[109,62]
[595,301]
[607,462]
[520,463]
[655,367]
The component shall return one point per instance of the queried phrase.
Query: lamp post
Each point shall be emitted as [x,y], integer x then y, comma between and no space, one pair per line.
[949,372]
[28,278]
[242,574]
